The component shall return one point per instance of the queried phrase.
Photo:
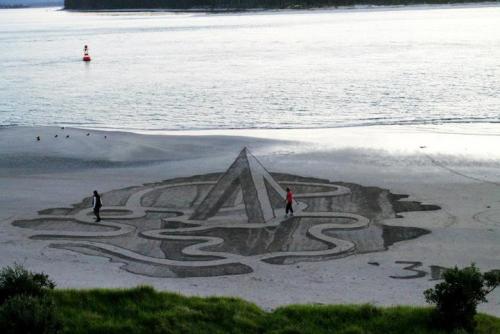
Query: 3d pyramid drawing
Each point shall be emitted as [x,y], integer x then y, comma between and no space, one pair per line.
[260,192]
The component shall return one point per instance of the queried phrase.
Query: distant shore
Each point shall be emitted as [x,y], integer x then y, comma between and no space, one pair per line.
[13,6]
[366,6]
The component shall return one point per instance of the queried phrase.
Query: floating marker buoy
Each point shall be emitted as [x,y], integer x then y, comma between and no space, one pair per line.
[86,56]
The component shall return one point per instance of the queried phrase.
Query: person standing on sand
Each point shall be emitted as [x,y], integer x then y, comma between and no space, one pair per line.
[96,204]
[289,201]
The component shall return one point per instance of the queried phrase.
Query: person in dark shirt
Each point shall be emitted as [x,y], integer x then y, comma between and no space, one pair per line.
[97,204]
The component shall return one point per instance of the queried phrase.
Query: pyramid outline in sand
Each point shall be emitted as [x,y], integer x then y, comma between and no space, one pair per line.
[255,182]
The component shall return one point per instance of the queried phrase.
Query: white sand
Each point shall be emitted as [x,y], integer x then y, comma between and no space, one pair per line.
[456,167]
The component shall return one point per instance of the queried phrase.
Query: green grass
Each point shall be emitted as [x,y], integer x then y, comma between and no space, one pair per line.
[144,310]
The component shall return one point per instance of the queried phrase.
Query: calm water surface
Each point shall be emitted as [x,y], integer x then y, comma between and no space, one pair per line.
[160,71]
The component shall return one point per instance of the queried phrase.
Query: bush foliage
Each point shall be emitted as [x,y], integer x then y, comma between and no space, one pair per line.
[25,306]
[29,315]
[16,280]
[457,297]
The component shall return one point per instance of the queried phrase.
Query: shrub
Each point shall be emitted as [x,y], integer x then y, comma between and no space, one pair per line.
[16,280]
[457,297]
[29,315]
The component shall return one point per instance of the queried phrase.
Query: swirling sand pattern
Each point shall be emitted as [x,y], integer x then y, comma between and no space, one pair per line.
[228,223]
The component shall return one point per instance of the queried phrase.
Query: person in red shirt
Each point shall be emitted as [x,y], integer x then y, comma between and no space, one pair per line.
[289,201]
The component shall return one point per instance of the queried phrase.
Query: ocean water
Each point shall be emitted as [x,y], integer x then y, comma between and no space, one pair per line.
[329,68]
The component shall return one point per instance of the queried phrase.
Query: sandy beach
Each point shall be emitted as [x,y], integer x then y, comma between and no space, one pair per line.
[452,166]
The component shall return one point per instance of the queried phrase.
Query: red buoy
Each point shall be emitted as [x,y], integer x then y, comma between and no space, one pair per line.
[86,56]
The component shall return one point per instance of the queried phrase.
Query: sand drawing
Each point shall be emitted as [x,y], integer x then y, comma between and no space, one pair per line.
[227,223]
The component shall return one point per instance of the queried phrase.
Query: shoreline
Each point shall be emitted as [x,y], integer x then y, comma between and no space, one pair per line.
[488,128]
[194,131]
[367,7]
